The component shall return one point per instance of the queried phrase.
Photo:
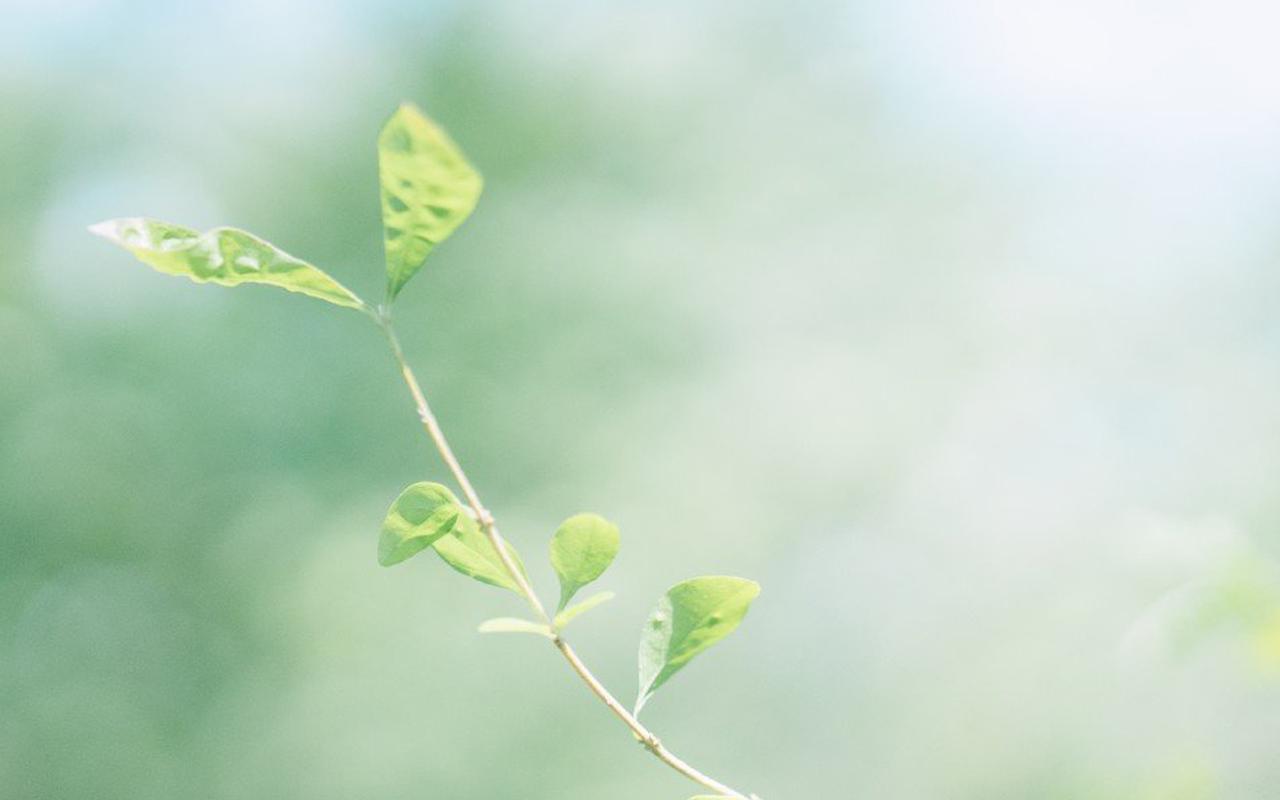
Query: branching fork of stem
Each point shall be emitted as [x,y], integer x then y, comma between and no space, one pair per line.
[646,737]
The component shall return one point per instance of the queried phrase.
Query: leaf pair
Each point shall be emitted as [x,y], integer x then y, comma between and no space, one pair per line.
[428,190]
[688,619]
[429,515]
[582,548]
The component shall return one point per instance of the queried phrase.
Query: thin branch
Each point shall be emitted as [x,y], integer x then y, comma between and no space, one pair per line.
[459,474]
[436,434]
[646,737]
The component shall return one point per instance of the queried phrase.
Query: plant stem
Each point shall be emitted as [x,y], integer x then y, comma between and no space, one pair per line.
[451,461]
[436,434]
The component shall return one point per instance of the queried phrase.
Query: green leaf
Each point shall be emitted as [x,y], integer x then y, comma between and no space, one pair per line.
[582,548]
[711,797]
[428,190]
[469,551]
[224,256]
[515,625]
[577,609]
[419,516]
[688,619]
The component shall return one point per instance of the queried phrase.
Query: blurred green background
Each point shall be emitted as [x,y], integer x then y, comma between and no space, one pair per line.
[953,324]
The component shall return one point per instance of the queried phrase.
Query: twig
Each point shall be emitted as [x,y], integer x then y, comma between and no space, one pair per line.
[646,737]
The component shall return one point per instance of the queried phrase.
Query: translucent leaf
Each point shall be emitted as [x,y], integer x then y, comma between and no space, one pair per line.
[515,625]
[419,516]
[577,609]
[428,190]
[689,618]
[582,548]
[224,256]
[468,550]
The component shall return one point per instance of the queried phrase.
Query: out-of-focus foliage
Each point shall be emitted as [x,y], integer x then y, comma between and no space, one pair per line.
[1239,602]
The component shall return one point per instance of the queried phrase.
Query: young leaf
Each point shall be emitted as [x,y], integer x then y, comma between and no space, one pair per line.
[469,551]
[577,609]
[428,190]
[688,619]
[581,550]
[224,256]
[419,516]
[514,625]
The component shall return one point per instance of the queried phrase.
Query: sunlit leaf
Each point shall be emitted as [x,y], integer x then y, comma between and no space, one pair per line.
[690,617]
[428,190]
[419,516]
[224,256]
[468,550]
[515,625]
[577,609]
[581,550]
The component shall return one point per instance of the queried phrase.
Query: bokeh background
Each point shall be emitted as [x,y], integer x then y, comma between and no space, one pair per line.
[954,324]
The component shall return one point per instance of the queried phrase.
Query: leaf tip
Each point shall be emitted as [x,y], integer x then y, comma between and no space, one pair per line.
[105,229]
[409,107]
[387,557]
